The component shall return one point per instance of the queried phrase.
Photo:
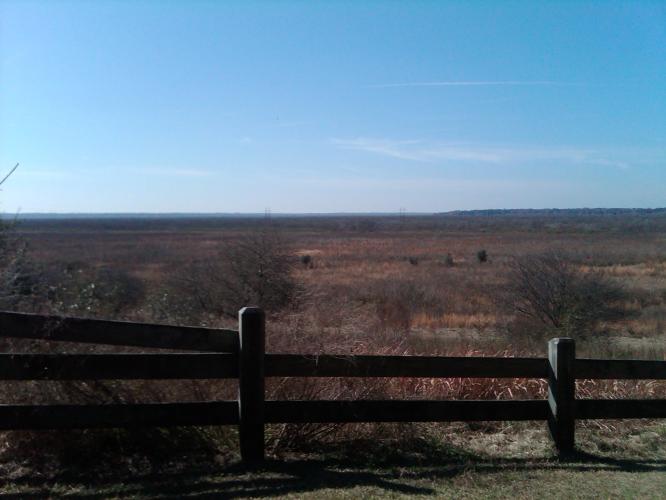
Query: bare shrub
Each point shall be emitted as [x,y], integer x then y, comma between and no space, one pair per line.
[254,269]
[365,225]
[550,290]
[306,260]
[81,290]
[482,256]
[20,280]
[397,302]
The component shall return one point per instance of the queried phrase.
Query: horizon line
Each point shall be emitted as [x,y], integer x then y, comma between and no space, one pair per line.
[287,214]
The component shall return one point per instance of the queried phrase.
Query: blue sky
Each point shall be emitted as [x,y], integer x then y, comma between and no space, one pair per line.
[331,106]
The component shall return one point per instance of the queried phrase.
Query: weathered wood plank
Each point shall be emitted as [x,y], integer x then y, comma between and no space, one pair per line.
[620,369]
[251,384]
[562,393]
[117,366]
[296,365]
[20,417]
[620,408]
[93,331]
[403,411]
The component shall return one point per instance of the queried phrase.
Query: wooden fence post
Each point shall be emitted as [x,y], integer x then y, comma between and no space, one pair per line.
[251,328]
[562,392]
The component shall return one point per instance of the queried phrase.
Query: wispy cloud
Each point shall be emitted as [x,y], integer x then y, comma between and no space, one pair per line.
[404,149]
[176,172]
[478,83]
[428,151]
[426,183]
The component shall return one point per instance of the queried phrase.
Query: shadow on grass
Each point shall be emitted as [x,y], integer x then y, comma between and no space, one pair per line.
[403,468]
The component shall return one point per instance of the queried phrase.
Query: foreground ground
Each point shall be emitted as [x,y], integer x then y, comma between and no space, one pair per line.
[517,462]
[594,478]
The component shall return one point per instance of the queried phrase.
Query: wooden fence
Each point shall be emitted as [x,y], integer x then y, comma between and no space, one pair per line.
[231,354]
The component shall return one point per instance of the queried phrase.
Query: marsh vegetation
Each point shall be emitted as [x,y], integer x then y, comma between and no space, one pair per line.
[342,285]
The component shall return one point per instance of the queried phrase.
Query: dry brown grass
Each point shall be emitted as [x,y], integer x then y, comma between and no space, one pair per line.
[364,296]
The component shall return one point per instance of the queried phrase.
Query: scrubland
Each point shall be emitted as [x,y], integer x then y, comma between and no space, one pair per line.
[358,285]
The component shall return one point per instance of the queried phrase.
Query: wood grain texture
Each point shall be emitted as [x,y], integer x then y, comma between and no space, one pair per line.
[121,333]
[251,384]
[562,393]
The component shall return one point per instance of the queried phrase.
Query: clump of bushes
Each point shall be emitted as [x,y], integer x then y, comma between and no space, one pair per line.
[306,260]
[448,260]
[482,256]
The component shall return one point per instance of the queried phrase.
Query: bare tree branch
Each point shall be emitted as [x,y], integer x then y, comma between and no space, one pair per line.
[9,174]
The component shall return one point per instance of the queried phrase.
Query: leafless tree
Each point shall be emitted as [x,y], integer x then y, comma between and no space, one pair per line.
[551,290]
[18,280]
[254,269]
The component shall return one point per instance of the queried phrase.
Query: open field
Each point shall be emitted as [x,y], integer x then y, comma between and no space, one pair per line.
[358,262]
[382,285]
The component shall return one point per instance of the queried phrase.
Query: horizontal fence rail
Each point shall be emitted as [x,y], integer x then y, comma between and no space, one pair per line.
[295,365]
[117,366]
[613,369]
[231,354]
[225,365]
[297,412]
[118,333]
[54,417]
[620,408]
